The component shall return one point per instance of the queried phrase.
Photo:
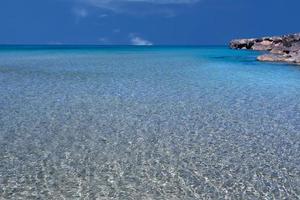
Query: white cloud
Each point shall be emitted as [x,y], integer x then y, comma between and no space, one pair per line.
[119,6]
[103,16]
[103,40]
[135,40]
[101,2]
[117,30]
[80,12]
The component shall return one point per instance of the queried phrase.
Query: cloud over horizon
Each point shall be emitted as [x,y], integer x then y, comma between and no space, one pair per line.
[138,41]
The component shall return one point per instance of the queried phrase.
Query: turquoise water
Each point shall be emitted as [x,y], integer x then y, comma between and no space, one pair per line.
[147,123]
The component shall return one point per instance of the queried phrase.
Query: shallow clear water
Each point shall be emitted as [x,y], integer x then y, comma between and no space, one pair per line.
[147,123]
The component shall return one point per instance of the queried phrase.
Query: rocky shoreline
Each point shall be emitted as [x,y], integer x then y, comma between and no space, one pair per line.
[284,48]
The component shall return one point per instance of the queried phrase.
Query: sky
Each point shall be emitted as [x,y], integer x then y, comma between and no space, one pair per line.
[144,22]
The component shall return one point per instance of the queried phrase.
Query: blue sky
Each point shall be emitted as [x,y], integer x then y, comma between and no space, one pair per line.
[144,22]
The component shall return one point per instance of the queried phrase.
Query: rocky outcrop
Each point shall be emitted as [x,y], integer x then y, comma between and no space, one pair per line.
[281,48]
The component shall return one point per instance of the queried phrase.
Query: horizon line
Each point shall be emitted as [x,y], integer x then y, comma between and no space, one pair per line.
[113,45]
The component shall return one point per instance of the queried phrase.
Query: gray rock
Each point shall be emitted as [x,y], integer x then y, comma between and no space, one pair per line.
[242,43]
[272,58]
[284,48]
[263,46]
[295,46]
[280,49]
[288,58]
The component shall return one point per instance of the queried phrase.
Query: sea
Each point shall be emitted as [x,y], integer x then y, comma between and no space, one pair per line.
[159,122]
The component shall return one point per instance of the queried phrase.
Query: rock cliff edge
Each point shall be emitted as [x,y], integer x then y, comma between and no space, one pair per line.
[284,48]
